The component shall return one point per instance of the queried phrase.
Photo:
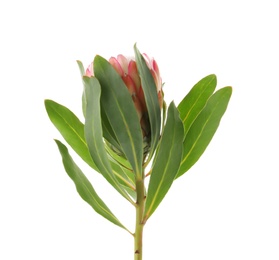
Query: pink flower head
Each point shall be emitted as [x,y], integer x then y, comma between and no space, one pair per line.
[127,69]
[89,70]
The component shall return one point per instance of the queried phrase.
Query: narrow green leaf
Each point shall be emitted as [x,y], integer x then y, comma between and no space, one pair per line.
[84,187]
[124,177]
[119,159]
[107,130]
[82,73]
[118,105]
[83,99]
[166,162]
[193,103]
[70,128]
[123,171]
[109,134]
[94,134]
[81,68]
[151,99]
[204,128]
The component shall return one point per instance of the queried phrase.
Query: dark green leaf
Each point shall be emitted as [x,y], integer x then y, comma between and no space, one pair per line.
[204,128]
[94,134]
[118,105]
[70,128]
[151,99]
[84,187]
[107,130]
[195,100]
[166,162]
[108,133]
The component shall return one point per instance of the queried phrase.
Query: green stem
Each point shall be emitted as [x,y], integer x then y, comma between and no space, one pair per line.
[139,217]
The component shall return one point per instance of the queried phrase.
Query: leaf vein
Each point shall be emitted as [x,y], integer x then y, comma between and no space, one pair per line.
[201,132]
[162,179]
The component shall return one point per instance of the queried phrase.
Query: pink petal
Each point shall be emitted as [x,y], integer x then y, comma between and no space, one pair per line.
[130,84]
[89,71]
[159,80]
[156,80]
[155,67]
[147,60]
[123,61]
[160,99]
[114,62]
[133,73]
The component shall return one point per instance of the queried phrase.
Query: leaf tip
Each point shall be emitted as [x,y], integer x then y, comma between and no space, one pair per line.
[230,90]
[57,142]
[136,50]
[47,102]
[213,77]
[62,148]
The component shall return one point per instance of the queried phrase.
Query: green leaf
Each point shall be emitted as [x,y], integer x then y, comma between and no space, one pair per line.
[81,68]
[193,103]
[118,105]
[70,128]
[151,99]
[204,128]
[107,130]
[94,134]
[109,134]
[124,177]
[122,170]
[166,162]
[119,159]
[84,187]
[82,73]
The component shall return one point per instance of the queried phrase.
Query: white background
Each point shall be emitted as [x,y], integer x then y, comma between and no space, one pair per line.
[225,207]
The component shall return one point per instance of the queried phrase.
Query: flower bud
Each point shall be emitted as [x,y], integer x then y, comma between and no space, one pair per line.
[127,69]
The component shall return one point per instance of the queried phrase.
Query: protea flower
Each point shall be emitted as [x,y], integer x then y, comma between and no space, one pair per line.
[127,69]
[110,140]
